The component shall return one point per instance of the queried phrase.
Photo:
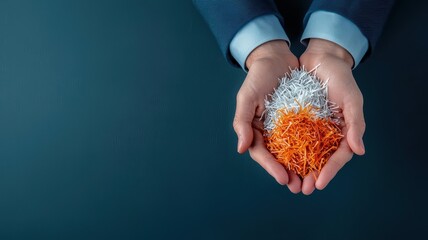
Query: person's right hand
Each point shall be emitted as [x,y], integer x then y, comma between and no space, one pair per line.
[267,63]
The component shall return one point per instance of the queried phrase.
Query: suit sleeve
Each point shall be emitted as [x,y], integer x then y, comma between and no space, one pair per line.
[369,15]
[226,17]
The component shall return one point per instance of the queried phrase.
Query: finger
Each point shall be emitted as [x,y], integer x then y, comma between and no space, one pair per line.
[295,183]
[334,164]
[261,155]
[354,120]
[244,115]
[308,185]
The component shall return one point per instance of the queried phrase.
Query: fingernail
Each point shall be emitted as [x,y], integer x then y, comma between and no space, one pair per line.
[362,144]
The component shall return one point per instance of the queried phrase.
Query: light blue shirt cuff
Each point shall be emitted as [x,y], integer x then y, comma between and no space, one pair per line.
[333,27]
[256,32]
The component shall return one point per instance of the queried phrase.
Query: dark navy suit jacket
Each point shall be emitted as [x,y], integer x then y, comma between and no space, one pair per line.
[227,17]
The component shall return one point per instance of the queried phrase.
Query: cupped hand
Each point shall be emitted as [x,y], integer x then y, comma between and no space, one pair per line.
[266,64]
[334,63]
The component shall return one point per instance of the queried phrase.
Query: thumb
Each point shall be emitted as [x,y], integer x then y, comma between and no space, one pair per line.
[245,110]
[354,120]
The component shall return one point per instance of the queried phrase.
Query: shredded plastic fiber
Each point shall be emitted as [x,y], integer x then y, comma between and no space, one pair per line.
[300,129]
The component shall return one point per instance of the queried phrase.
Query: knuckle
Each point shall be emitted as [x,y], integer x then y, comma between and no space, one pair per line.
[247,92]
[235,123]
[339,164]
[359,98]
[361,101]
[242,96]
[363,125]
[359,125]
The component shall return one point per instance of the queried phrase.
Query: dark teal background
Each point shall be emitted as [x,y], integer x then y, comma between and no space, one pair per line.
[116,123]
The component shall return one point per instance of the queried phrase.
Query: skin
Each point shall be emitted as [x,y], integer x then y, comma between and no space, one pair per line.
[266,64]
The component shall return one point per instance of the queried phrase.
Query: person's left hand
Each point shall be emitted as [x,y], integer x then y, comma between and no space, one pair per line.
[335,64]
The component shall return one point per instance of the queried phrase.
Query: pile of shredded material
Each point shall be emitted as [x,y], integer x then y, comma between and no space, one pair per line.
[300,130]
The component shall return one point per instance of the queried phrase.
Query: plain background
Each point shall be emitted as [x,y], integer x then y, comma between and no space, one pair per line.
[116,122]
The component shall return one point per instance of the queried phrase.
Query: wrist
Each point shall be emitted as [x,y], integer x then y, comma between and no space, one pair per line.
[272,49]
[325,47]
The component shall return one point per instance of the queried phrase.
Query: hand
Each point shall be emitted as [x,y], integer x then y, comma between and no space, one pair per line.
[335,64]
[266,64]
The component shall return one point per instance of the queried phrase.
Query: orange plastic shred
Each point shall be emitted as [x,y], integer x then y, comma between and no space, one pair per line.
[302,142]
